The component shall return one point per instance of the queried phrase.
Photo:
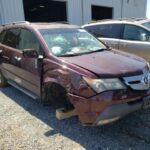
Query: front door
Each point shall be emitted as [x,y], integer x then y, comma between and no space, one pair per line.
[135,40]
[15,67]
[29,71]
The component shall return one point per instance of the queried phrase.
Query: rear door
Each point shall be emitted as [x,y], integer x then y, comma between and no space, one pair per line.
[9,48]
[135,40]
[108,33]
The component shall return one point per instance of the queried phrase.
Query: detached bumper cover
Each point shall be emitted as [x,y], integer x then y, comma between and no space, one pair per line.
[115,112]
[101,109]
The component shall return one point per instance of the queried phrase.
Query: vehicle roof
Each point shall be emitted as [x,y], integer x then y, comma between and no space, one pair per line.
[52,25]
[138,21]
[39,25]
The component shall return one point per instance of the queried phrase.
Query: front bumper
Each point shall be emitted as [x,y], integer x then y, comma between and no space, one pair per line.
[115,112]
[107,107]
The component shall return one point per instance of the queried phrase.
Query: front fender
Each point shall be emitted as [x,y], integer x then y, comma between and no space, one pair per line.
[49,80]
[68,76]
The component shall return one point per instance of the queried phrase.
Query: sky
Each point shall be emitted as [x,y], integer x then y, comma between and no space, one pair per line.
[148,8]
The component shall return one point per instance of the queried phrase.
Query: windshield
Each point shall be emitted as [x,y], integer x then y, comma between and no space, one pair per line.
[65,42]
[147,24]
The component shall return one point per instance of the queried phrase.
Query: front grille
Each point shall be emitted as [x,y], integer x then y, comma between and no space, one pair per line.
[135,102]
[139,82]
[134,82]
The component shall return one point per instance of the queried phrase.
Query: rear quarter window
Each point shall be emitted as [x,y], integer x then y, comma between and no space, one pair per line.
[106,30]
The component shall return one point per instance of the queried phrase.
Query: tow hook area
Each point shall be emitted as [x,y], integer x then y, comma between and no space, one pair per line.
[61,113]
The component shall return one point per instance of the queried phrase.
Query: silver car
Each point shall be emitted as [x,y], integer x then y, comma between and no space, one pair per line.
[129,35]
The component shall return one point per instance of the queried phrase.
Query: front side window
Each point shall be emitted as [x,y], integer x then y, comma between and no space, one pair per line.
[11,38]
[28,40]
[106,30]
[70,41]
[135,33]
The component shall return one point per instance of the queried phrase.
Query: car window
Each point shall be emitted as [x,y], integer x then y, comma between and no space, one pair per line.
[11,38]
[1,29]
[135,33]
[106,30]
[93,30]
[2,34]
[147,24]
[66,41]
[28,40]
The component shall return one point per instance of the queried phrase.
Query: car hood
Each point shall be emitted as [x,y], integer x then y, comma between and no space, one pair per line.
[109,63]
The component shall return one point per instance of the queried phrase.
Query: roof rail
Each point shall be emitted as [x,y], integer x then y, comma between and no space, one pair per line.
[63,22]
[117,19]
[132,18]
[94,21]
[17,22]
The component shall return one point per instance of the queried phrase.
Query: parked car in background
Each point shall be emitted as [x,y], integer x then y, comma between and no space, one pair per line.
[66,65]
[1,29]
[129,35]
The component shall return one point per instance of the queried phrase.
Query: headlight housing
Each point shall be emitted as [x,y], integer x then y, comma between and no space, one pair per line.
[101,85]
[148,65]
[146,68]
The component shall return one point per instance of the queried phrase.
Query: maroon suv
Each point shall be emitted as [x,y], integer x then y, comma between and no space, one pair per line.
[63,64]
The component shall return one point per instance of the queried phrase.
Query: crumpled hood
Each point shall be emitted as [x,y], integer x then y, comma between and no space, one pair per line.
[111,63]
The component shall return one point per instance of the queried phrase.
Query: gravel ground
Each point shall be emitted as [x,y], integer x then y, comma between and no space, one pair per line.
[26,124]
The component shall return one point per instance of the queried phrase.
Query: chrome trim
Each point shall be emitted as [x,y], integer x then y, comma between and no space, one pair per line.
[139,82]
[17,22]
[30,94]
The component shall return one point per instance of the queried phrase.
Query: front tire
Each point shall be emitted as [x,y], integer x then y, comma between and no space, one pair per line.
[57,96]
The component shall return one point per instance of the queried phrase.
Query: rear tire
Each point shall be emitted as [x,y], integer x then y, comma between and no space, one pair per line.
[57,96]
[3,81]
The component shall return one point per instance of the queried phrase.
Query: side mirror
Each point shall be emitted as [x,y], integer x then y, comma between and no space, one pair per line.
[143,37]
[30,53]
[1,52]
[148,38]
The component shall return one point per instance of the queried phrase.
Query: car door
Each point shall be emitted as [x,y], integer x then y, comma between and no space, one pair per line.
[2,35]
[20,71]
[8,47]
[136,40]
[29,71]
[110,34]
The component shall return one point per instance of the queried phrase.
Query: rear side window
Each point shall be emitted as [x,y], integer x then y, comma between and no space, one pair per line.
[106,30]
[11,38]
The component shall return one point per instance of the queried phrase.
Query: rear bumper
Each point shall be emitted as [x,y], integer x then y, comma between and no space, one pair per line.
[115,112]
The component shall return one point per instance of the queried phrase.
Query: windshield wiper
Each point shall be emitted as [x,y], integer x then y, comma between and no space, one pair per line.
[98,50]
[79,54]
[70,55]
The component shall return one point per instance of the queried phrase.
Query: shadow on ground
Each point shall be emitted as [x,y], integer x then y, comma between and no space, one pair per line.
[124,134]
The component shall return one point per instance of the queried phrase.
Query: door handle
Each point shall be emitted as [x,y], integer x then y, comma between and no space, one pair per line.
[18,58]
